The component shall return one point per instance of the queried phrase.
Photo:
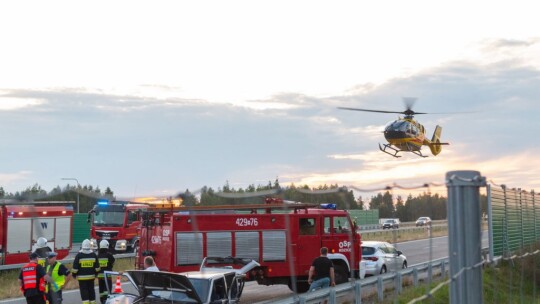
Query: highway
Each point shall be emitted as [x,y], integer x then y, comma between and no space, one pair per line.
[418,251]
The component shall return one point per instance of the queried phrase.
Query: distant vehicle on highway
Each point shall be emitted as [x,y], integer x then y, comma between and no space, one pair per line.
[381,257]
[423,221]
[390,224]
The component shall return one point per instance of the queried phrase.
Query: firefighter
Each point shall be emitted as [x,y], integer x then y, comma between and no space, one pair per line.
[85,270]
[32,280]
[42,251]
[106,263]
[60,275]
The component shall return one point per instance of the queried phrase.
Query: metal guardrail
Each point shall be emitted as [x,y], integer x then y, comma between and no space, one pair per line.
[379,282]
[64,261]
[403,225]
[427,270]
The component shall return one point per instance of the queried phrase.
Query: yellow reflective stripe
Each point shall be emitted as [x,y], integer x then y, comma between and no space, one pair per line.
[87,263]
[85,277]
[103,262]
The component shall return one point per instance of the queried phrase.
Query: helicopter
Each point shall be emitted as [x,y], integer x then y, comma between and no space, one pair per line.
[406,134]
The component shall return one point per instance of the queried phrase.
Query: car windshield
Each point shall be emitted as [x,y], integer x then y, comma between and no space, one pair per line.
[389,221]
[368,250]
[175,296]
[202,287]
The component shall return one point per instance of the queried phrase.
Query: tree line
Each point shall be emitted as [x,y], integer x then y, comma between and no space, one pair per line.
[425,204]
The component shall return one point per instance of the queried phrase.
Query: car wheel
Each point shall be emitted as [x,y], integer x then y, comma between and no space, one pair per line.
[404,265]
[383,269]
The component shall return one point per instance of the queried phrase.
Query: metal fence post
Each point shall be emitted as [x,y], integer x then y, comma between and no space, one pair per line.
[464,235]
[380,288]
[358,292]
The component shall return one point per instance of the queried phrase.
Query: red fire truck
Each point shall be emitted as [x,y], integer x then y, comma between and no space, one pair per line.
[118,221]
[283,238]
[22,223]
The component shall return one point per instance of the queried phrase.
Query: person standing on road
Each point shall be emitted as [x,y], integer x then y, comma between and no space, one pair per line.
[60,275]
[85,270]
[321,272]
[32,280]
[42,250]
[149,264]
[106,263]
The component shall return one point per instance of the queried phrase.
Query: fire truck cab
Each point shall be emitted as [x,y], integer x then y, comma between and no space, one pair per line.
[116,222]
[283,238]
[22,223]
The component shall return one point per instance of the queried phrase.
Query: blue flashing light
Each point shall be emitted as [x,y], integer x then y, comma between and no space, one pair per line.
[103,203]
[329,206]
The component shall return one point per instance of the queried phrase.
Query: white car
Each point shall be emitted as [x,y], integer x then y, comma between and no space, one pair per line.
[381,257]
[423,221]
[209,285]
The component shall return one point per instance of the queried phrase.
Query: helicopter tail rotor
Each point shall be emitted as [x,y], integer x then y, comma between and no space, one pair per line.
[436,146]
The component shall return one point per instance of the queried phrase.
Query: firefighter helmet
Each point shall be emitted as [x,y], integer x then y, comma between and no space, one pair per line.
[41,242]
[104,244]
[93,244]
[86,245]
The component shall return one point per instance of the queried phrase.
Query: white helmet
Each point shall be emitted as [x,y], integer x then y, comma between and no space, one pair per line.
[86,245]
[41,242]
[93,244]
[103,244]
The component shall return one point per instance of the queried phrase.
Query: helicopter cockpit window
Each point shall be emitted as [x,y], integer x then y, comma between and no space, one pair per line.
[414,130]
[399,125]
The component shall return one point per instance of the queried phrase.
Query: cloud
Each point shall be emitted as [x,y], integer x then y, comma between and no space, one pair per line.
[9,179]
[152,138]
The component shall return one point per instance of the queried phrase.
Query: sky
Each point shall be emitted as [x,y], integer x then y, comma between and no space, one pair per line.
[153,98]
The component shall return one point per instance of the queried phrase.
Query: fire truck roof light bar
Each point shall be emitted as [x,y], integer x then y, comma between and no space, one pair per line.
[329,206]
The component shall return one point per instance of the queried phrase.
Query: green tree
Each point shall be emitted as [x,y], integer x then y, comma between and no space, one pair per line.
[384,203]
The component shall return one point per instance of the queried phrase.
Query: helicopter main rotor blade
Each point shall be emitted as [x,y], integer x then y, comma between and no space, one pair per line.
[367,110]
[407,112]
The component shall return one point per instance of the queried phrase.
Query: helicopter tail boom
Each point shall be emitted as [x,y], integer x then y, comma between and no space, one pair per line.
[436,145]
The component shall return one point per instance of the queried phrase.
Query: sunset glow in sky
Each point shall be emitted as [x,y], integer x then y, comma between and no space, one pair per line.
[154,98]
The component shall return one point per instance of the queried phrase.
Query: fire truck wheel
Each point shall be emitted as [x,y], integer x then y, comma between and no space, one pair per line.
[301,287]
[341,274]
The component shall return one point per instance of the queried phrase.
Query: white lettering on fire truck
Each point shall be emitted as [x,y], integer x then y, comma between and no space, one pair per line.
[156,239]
[166,233]
[345,246]
[246,222]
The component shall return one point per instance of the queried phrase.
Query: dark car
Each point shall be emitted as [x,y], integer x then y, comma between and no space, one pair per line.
[390,224]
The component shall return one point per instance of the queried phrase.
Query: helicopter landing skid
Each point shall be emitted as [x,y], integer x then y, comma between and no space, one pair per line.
[396,151]
[387,146]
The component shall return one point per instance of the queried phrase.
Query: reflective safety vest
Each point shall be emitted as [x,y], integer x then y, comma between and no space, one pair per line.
[60,280]
[85,266]
[29,275]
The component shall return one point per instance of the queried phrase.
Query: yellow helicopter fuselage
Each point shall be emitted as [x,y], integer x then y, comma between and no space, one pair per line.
[406,134]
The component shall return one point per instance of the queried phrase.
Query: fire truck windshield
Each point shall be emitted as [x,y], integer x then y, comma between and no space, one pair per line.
[109,216]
